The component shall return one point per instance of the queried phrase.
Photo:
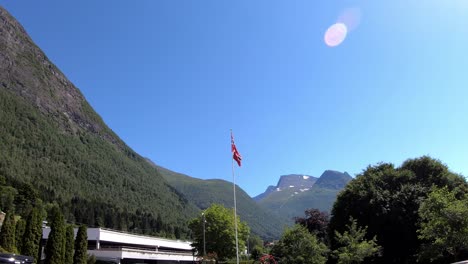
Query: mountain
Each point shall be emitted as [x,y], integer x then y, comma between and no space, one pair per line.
[206,192]
[295,193]
[293,182]
[55,145]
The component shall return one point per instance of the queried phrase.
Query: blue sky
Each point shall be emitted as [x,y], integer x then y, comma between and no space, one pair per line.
[171,78]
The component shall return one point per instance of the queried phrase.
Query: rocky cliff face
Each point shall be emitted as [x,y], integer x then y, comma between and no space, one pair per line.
[333,180]
[26,71]
[295,193]
[294,182]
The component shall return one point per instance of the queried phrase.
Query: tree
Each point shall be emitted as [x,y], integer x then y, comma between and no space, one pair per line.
[32,234]
[387,200]
[354,248]
[316,222]
[81,246]
[7,234]
[256,252]
[55,247]
[298,246]
[19,232]
[254,241]
[69,244]
[444,226]
[219,232]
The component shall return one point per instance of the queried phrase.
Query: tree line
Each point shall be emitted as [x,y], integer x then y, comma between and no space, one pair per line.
[414,213]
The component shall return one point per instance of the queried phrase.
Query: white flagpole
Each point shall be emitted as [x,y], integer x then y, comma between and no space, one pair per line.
[235,205]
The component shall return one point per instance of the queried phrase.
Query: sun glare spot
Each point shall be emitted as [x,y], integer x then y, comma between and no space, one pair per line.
[335,34]
[351,17]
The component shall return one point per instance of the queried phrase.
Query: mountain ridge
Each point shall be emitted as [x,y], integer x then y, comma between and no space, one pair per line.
[295,193]
[203,193]
[54,142]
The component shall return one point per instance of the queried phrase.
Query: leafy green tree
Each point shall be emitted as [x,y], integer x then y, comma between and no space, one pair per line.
[298,246]
[354,247]
[256,252]
[19,232]
[254,241]
[444,226]
[81,246]
[7,234]
[387,199]
[32,234]
[219,232]
[55,247]
[69,244]
[316,222]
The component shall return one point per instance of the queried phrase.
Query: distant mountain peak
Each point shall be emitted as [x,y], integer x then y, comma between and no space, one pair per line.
[296,182]
[331,179]
[295,193]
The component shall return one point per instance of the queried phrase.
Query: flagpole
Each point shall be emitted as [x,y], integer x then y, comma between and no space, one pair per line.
[235,206]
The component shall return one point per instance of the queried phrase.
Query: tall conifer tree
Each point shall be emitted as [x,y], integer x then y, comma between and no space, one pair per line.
[7,234]
[81,246]
[55,247]
[69,245]
[32,234]
[19,232]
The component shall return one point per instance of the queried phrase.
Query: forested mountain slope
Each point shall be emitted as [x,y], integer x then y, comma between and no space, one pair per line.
[52,139]
[205,192]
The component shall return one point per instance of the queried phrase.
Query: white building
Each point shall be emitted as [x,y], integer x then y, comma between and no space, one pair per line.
[124,248]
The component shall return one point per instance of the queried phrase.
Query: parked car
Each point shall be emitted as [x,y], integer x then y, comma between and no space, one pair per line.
[6,258]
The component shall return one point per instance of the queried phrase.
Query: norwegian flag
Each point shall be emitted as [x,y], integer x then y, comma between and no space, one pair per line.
[235,154]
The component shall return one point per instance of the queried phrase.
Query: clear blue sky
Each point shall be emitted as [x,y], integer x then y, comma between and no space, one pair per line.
[172,77]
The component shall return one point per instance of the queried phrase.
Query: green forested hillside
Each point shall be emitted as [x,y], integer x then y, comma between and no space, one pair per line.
[53,143]
[205,192]
[83,169]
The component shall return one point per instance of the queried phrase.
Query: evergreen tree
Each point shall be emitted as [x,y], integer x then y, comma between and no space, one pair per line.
[69,244]
[81,246]
[7,234]
[55,247]
[32,234]
[19,232]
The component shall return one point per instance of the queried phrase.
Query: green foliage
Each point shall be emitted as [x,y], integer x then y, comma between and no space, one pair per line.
[256,252]
[81,246]
[354,247]
[298,246]
[7,198]
[254,241]
[36,150]
[19,232]
[444,226]
[7,234]
[55,248]
[91,259]
[203,193]
[69,244]
[387,200]
[32,234]
[219,232]
[316,222]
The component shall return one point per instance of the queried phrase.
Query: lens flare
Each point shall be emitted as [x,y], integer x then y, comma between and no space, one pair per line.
[351,17]
[335,34]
